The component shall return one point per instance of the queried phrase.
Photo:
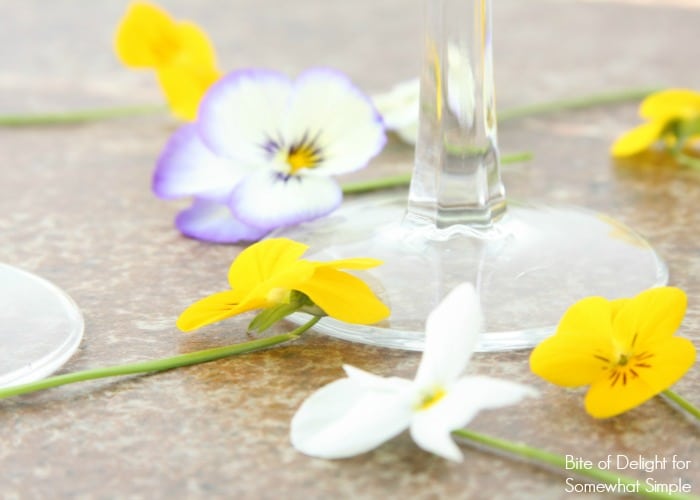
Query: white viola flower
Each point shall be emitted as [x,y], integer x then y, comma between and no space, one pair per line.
[399,108]
[356,414]
[262,152]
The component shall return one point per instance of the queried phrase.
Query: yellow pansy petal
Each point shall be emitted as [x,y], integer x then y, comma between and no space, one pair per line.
[667,364]
[196,50]
[146,36]
[671,104]
[638,139]
[650,317]
[184,88]
[588,321]
[344,297]
[260,261]
[616,306]
[581,346]
[211,309]
[357,263]
[566,362]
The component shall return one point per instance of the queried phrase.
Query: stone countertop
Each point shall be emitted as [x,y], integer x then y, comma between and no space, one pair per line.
[77,210]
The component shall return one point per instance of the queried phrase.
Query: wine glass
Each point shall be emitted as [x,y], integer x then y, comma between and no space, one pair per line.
[529,262]
[40,327]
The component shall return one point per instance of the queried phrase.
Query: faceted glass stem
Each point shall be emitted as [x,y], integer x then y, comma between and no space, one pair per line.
[456,178]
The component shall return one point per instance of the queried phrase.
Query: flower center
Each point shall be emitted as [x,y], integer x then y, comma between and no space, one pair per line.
[304,153]
[429,399]
[628,367]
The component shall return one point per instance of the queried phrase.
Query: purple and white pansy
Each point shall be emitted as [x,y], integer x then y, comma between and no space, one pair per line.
[262,151]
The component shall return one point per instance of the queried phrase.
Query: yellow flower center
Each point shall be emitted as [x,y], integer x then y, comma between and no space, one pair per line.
[430,398]
[626,367]
[302,155]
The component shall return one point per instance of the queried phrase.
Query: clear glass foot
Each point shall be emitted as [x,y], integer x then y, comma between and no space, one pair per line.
[528,262]
[529,267]
[40,327]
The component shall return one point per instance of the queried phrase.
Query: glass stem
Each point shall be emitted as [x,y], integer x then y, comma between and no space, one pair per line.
[456,178]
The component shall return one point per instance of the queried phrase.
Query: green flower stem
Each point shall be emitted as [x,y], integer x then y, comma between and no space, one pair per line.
[158,365]
[97,114]
[81,116]
[399,180]
[558,461]
[577,103]
[686,405]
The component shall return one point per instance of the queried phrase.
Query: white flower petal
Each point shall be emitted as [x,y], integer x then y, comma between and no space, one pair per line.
[186,167]
[343,419]
[349,130]
[269,200]
[400,109]
[243,112]
[431,428]
[451,332]
[469,395]
[375,382]
[434,438]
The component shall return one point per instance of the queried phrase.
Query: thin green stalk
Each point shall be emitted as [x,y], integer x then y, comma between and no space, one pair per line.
[87,115]
[399,180]
[80,116]
[686,405]
[576,103]
[158,365]
[619,484]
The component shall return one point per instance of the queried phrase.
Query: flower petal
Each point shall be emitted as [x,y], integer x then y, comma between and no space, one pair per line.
[244,112]
[638,139]
[146,36]
[211,221]
[211,309]
[671,104]
[451,332]
[376,383]
[353,263]
[580,349]
[344,418]
[260,262]
[400,108]
[185,86]
[271,200]
[349,130]
[186,167]
[344,297]
[670,360]
[431,428]
[651,316]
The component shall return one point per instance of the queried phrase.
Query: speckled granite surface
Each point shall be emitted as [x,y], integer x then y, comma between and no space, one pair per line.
[76,208]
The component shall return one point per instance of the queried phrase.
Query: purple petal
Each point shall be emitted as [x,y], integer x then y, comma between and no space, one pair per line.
[243,112]
[186,167]
[271,199]
[211,221]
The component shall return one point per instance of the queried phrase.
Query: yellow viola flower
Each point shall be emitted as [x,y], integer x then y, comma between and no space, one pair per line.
[624,349]
[179,51]
[672,116]
[270,273]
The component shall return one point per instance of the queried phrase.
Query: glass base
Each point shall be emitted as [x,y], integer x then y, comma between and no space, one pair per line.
[40,327]
[528,267]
